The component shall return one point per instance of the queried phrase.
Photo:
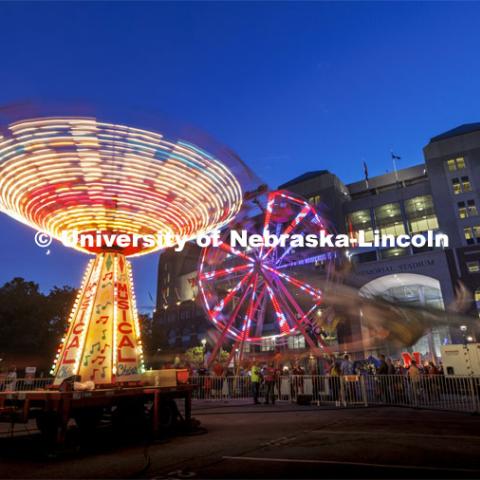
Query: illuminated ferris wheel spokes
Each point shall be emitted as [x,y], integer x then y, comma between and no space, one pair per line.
[253,295]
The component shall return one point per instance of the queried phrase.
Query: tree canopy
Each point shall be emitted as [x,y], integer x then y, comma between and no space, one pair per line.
[32,322]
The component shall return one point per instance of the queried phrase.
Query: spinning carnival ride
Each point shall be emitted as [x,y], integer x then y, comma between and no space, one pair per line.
[78,175]
[262,295]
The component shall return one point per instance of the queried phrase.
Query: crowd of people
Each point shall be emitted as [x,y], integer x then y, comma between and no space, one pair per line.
[273,380]
[382,366]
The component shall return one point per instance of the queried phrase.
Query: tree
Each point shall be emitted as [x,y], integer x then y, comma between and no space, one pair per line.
[32,323]
[195,356]
[23,319]
[59,303]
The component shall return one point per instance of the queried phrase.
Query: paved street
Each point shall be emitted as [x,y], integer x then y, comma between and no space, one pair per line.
[286,441]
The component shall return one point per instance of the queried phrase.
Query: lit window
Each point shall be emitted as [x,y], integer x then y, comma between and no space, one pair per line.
[421,214]
[393,252]
[468,234]
[297,341]
[472,208]
[477,300]
[473,267]
[462,210]
[455,164]
[476,231]
[315,200]
[360,220]
[460,163]
[456,186]
[467,187]
[462,185]
[268,344]
[389,219]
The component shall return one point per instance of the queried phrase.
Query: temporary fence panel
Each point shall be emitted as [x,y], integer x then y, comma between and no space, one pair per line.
[24,384]
[454,393]
[434,391]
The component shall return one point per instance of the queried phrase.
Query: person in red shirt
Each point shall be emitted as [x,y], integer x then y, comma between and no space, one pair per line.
[270,376]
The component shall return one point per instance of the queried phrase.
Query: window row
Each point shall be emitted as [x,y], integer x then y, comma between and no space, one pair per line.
[473,267]
[472,234]
[420,215]
[455,164]
[467,209]
[461,185]
[294,342]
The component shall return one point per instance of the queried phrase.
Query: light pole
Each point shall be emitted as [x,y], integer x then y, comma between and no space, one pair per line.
[204,343]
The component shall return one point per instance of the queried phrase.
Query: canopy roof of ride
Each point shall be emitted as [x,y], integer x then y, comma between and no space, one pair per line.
[65,174]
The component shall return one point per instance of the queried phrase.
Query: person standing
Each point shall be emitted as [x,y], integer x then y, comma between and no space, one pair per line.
[383,367]
[390,367]
[270,378]
[298,372]
[382,371]
[414,376]
[256,378]
[335,374]
[346,366]
[11,378]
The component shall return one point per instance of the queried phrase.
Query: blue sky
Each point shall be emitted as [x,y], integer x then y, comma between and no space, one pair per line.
[291,87]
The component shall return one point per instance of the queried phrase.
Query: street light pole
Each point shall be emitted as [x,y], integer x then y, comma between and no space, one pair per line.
[204,343]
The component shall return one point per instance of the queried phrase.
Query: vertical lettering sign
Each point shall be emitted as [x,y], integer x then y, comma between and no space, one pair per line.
[96,362]
[128,339]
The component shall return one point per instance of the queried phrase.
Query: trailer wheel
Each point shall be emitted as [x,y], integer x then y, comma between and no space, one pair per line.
[48,423]
[168,414]
[129,415]
[88,419]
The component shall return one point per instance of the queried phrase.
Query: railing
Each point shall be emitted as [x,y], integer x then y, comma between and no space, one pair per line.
[24,384]
[454,393]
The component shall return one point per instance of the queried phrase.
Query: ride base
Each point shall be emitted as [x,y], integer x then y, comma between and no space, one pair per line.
[53,409]
[103,343]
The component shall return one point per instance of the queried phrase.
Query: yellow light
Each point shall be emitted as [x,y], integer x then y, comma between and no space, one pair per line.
[61,175]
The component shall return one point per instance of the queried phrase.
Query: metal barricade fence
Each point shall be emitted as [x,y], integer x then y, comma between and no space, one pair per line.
[431,391]
[24,384]
[344,390]
[454,393]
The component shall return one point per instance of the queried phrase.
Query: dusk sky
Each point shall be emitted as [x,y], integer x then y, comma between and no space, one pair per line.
[290,87]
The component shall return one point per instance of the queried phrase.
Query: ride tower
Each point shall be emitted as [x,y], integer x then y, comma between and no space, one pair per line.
[76,177]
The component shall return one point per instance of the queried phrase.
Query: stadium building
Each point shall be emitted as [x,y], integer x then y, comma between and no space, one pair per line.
[441,194]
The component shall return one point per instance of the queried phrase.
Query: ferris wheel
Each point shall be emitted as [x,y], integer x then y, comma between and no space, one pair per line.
[262,295]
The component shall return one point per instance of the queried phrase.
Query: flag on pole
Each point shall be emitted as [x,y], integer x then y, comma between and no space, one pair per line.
[365,171]
[394,160]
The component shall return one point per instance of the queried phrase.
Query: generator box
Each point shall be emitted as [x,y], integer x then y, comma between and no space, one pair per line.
[167,377]
[461,359]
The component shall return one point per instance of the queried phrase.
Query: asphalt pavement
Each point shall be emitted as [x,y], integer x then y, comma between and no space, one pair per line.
[240,440]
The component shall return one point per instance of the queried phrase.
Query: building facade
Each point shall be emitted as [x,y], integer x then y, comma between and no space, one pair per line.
[441,194]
